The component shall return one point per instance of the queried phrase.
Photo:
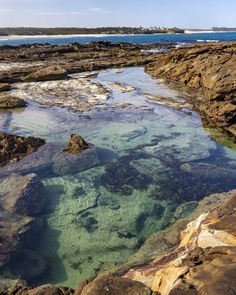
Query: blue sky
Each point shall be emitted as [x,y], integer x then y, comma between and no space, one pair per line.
[94,13]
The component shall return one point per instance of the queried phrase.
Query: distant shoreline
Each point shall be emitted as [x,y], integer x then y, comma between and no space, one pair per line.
[15,37]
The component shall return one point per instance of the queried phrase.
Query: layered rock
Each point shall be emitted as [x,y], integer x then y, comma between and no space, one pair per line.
[207,72]
[4,87]
[8,101]
[13,148]
[203,263]
[42,62]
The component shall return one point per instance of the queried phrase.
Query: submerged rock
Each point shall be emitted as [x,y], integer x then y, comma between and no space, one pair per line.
[13,148]
[8,101]
[40,162]
[208,170]
[67,163]
[22,195]
[28,265]
[183,148]
[122,178]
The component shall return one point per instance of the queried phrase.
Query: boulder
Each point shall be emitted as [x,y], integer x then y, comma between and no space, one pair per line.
[8,101]
[76,144]
[112,285]
[13,148]
[22,194]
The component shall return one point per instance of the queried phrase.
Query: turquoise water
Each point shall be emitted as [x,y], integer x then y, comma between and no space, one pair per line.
[152,159]
[157,38]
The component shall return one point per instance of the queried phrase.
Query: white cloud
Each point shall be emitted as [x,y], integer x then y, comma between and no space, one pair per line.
[58,12]
[99,10]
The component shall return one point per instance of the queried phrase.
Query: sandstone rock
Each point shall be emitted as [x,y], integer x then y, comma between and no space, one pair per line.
[13,148]
[76,145]
[4,87]
[115,286]
[8,101]
[203,263]
[22,194]
[47,74]
[206,70]
[41,290]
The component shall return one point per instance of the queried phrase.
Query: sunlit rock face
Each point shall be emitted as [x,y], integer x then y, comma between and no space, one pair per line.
[203,263]
[205,69]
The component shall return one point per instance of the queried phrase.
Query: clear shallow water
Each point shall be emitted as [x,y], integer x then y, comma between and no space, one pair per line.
[153,159]
[158,38]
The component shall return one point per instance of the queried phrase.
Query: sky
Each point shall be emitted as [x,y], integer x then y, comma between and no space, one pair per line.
[98,13]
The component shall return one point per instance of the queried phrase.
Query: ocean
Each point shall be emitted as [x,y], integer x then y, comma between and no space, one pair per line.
[180,39]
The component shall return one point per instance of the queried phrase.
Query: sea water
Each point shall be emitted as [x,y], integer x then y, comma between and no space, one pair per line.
[180,39]
[153,160]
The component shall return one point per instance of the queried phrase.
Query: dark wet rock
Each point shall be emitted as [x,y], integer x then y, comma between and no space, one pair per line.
[22,195]
[67,163]
[13,148]
[111,285]
[120,177]
[76,144]
[5,87]
[46,74]
[8,101]
[208,70]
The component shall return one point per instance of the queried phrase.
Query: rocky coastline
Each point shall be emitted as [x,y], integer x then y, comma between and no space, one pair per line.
[204,261]
[196,255]
[207,73]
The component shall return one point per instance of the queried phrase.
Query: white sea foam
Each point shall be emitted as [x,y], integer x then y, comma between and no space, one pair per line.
[207,41]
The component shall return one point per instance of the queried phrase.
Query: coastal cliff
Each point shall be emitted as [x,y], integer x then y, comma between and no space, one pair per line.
[207,72]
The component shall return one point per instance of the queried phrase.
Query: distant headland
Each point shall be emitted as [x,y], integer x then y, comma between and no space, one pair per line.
[23,31]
